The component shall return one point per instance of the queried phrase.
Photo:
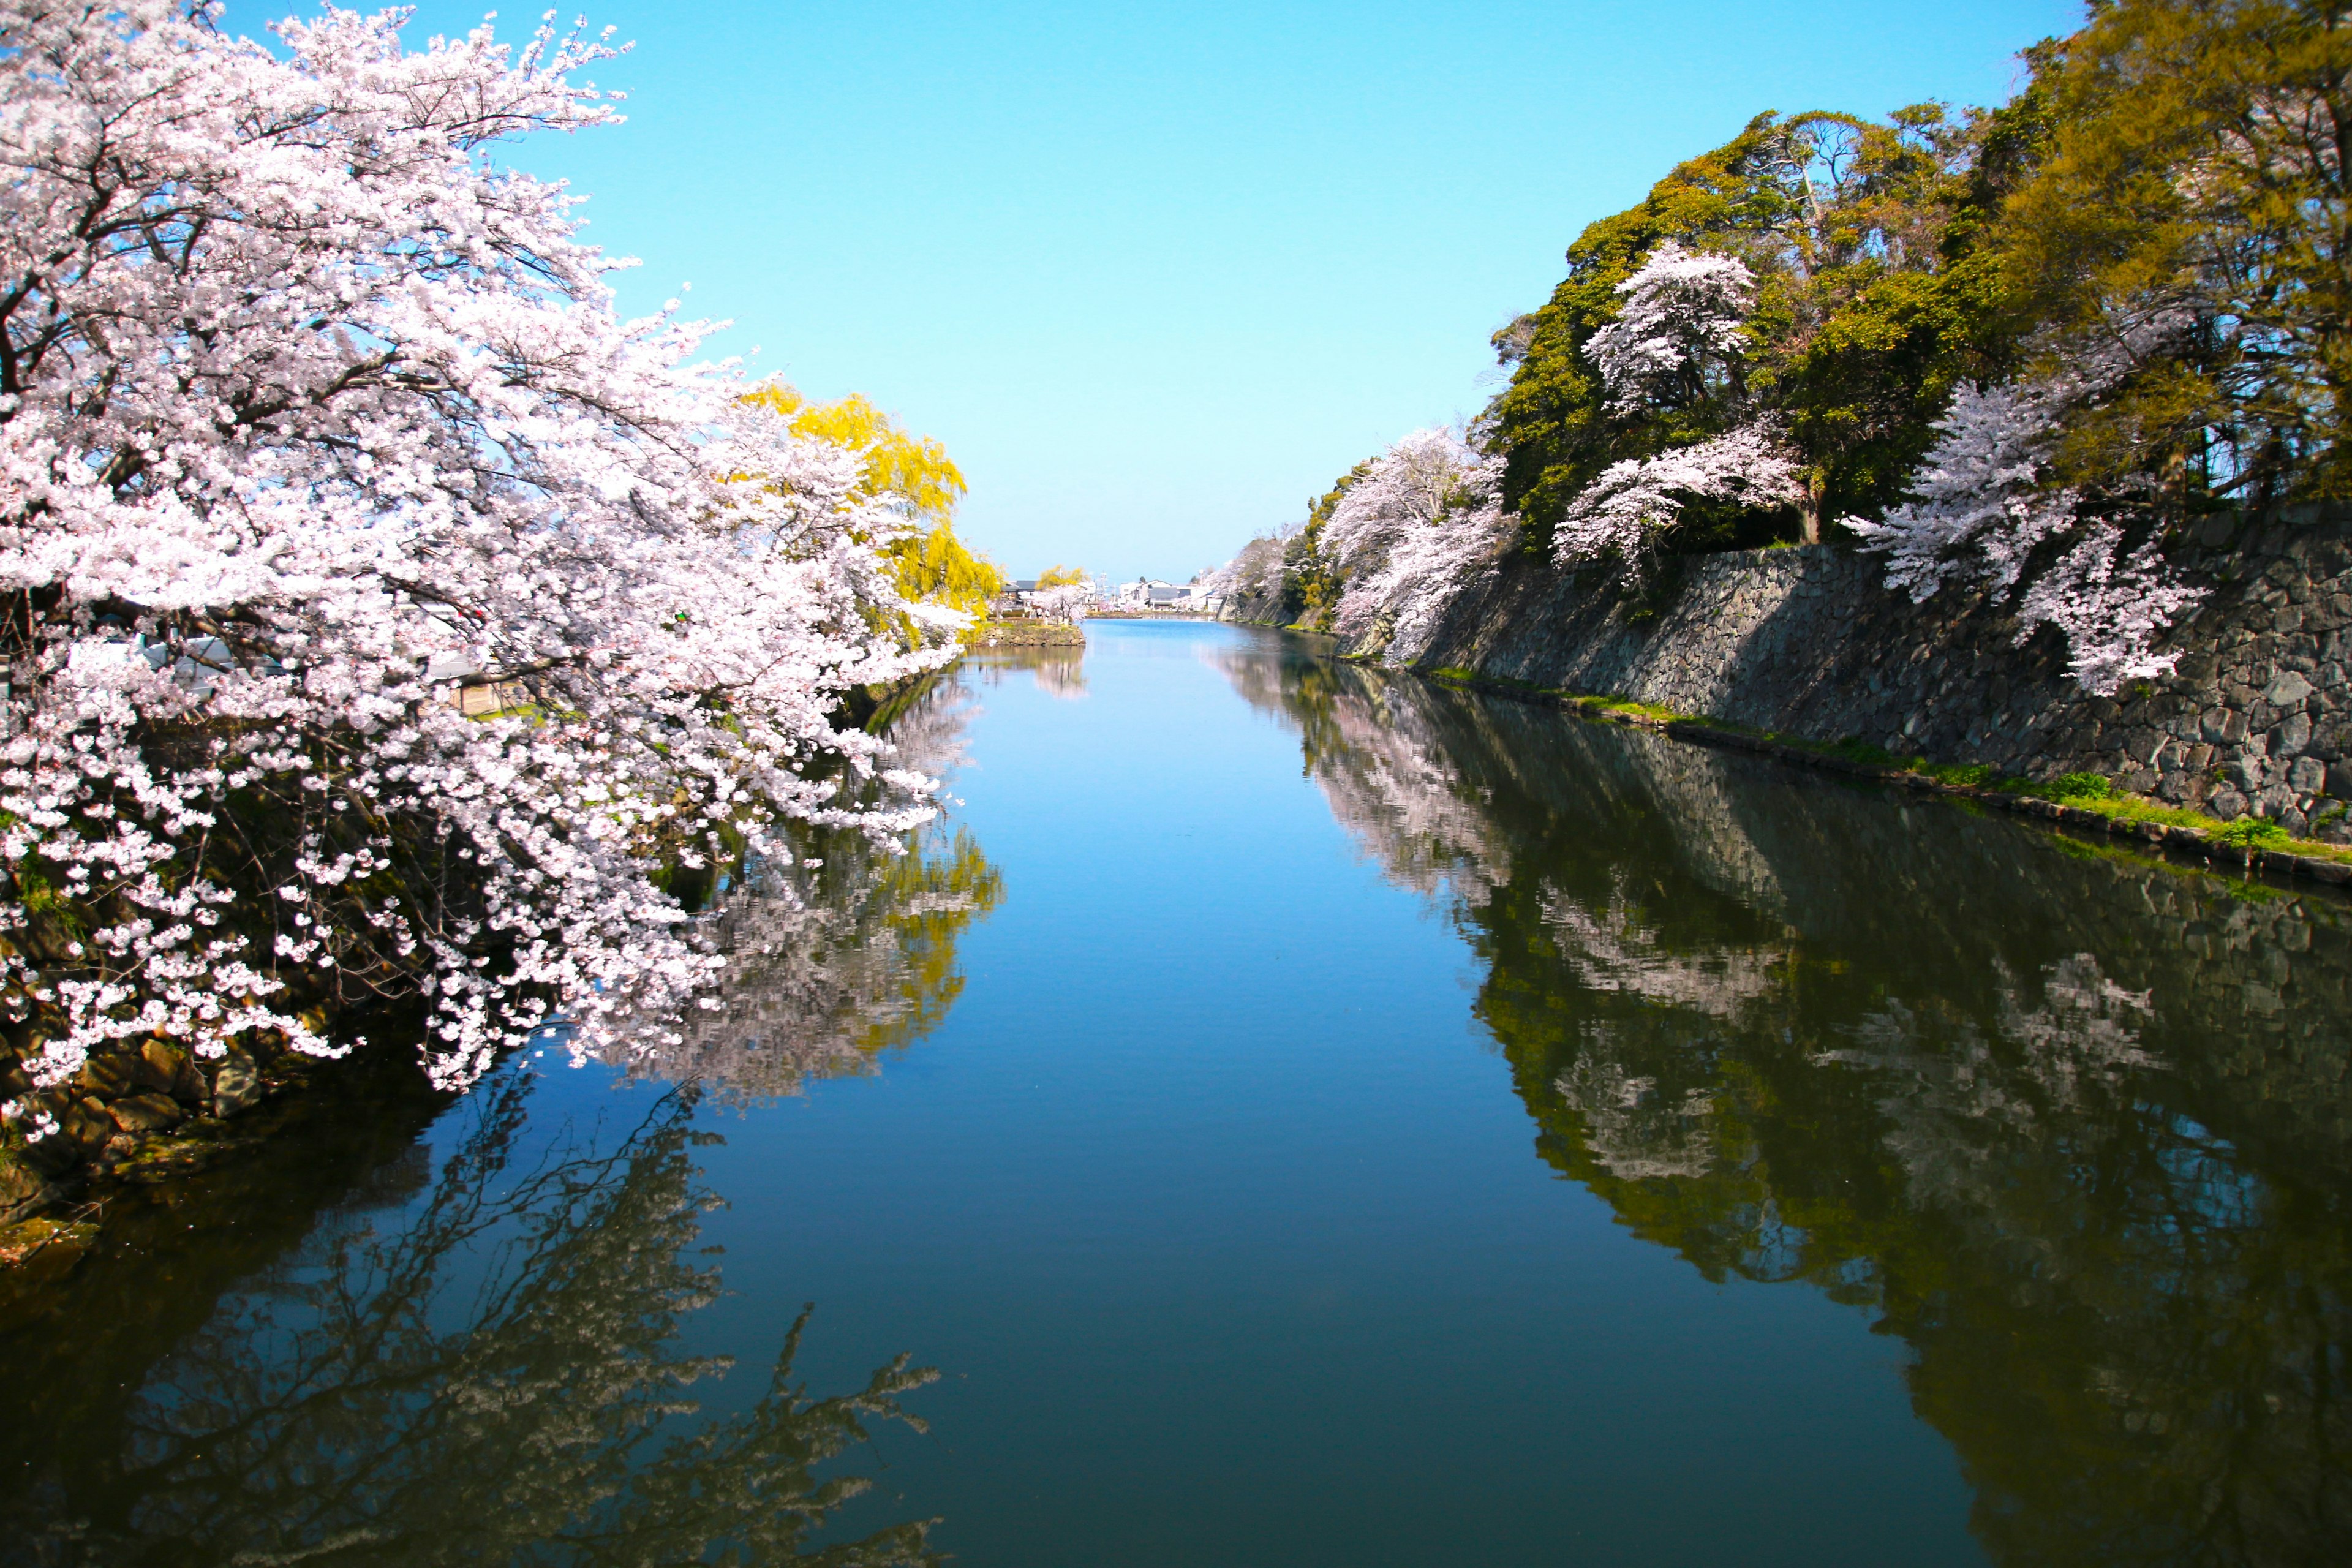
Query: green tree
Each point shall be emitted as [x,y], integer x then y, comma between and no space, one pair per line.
[1875,291]
[2196,176]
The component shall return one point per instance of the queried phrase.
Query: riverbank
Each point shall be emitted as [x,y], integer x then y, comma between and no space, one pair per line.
[1029,634]
[2081,800]
[1806,645]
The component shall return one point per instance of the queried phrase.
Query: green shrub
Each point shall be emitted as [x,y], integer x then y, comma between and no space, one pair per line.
[2079,787]
[2251,833]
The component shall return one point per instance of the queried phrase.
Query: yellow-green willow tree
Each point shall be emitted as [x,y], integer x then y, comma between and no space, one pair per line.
[913,473]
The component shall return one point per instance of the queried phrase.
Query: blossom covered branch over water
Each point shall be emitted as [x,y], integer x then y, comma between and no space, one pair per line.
[308,407]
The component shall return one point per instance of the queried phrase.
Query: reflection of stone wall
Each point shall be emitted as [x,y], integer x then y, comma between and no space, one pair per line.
[2075,1125]
[1810,643]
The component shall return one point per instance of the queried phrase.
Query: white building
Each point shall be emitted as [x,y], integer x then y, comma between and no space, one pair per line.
[1180,598]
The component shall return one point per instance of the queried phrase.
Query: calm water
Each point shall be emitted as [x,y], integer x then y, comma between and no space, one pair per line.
[1289,1116]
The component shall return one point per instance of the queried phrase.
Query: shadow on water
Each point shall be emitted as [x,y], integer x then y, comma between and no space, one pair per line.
[384,1338]
[2072,1124]
[476,1365]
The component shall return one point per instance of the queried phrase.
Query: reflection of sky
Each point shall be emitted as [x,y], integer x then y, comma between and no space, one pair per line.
[1228,1191]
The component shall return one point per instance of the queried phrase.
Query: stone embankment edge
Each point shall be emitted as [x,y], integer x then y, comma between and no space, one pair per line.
[1024,634]
[2190,842]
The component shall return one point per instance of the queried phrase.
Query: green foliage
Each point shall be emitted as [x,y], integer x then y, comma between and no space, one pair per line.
[2251,833]
[1963,775]
[2078,787]
[1874,295]
[2165,194]
[1312,583]
[1856,750]
[2194,165]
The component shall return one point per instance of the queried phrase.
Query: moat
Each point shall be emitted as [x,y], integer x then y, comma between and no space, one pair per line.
[1286,1114]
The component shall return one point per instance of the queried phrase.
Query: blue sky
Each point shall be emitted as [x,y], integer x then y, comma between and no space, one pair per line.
[1157,274]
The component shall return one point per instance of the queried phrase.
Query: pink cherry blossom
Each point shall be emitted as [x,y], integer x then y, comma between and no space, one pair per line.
[309,410]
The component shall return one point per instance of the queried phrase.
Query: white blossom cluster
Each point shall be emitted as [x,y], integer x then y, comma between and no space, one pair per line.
[306,406]
[1981,507]
[1633,502]
[1685,312]
[1424,521]
[1683,320]
[1066,601]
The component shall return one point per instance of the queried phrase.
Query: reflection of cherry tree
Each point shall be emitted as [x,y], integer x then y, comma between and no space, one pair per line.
[1396,796]
[841,951]
[2077,1137]
[1958,1095]
[834,958]
[1632,1131]
[493,1375]
[1375,749]
[1611,948]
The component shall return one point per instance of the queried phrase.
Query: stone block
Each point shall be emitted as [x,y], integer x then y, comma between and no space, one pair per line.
[2228,805]
[148,1112]
[2308,777]
[167,1066]
[2287,689]
[86,1125]
[236,1083]
[19,1183]
[2292,736]
[110,1074]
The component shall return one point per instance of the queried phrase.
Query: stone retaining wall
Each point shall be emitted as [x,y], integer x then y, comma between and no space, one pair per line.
[1809,643]
[137,1103]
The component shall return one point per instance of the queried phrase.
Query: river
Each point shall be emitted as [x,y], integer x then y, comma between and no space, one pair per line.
[1287,1114]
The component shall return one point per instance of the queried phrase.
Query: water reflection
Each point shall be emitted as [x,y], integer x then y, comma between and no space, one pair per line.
[843,950]
[1059,669]
[2071,1123]
[480,1355]
[481,1363]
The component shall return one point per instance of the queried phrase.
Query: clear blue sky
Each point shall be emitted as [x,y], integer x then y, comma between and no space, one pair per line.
[1157,274]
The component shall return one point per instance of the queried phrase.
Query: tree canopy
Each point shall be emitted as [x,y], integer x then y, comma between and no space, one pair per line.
[2011,348]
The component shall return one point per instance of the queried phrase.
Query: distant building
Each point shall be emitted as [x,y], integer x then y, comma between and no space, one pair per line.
[1180,598]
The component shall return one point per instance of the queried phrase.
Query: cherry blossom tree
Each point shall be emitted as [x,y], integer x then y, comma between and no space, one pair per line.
[1672,354]
[1633,502]
[1985,507]
[1425,519]
[1066,601]
[306,407]
[1678,336]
